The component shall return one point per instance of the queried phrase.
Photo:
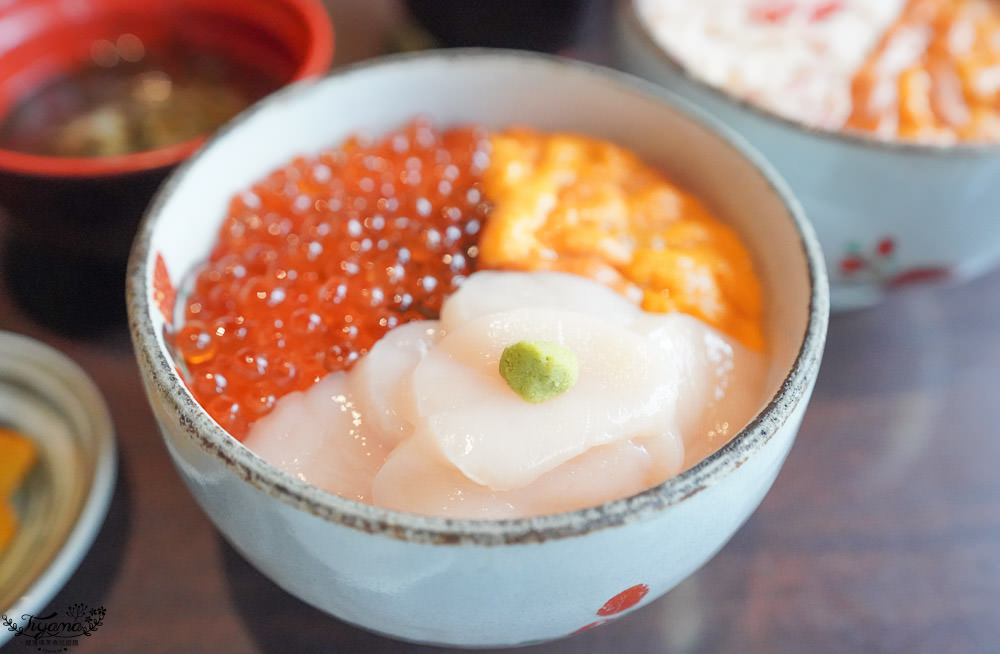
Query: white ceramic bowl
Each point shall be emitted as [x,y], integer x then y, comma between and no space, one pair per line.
[888,214]
[465,582]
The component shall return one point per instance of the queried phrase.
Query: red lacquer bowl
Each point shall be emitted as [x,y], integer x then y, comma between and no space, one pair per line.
[70,220]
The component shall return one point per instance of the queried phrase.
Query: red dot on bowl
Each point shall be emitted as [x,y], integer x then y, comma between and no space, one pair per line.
[624,600]
[919,275]
[850,265]
[164,292]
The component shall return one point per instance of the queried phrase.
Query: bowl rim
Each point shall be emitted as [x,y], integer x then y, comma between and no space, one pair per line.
[629,17]
[162,378]
[317,59]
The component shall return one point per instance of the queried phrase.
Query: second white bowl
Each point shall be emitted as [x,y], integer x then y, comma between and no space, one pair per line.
[888,214]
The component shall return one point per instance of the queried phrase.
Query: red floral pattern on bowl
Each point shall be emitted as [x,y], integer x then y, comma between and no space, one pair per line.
[879,265]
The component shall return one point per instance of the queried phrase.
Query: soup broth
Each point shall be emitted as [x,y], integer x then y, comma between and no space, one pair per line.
[130,100]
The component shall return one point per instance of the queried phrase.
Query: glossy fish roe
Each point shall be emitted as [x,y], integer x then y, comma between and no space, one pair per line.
[316,262]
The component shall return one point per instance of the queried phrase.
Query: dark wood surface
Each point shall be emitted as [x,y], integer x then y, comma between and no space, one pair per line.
[881,534]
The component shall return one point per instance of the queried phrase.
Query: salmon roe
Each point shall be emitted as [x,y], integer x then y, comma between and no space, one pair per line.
[317,261]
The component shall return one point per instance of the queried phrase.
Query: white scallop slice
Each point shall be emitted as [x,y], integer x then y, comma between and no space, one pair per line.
[666,451]
[318,436]
[498,439]
[416,480]
[722,380]
[493,291]
[599,475]
[380,381]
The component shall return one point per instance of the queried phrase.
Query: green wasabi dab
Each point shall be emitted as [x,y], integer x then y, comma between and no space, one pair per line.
[539,370]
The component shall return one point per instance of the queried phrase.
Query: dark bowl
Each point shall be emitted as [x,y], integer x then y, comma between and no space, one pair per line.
[521,24]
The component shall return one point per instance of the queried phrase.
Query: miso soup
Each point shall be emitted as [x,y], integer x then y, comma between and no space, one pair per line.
[129,100]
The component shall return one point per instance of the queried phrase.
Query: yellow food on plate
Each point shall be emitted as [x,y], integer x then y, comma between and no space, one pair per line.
[581,205]
[17,455]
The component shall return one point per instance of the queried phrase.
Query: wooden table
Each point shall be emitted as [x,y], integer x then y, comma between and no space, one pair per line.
[882,533]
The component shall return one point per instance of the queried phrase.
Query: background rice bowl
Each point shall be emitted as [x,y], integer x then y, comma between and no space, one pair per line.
[888,214]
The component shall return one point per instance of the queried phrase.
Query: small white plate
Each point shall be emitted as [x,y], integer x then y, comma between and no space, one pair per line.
[64,498]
